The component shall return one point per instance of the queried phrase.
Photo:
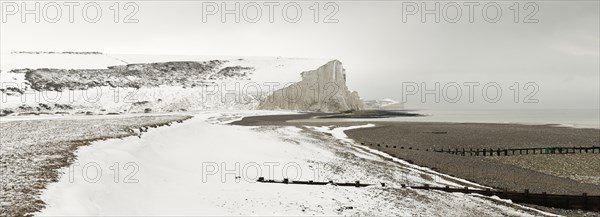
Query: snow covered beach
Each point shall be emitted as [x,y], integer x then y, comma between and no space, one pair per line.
[206,167]
[203,166]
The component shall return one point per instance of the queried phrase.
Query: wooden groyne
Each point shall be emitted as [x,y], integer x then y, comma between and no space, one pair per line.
[520,151]
[583,201]
[500,152]
[310,182]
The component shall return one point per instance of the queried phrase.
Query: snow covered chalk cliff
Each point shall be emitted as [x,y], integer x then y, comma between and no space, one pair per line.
[323,89]
[58,83]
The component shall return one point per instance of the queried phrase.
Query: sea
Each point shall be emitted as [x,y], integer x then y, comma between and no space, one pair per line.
[576,118]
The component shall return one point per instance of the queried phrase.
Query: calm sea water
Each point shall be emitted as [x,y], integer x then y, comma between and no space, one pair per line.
[578,118]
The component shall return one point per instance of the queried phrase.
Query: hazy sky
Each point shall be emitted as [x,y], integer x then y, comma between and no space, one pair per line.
[560,54]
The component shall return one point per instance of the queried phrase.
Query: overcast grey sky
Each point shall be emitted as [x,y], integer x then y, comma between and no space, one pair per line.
[560,53]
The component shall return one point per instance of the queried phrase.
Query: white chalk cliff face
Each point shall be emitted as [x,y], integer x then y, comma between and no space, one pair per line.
[323,89]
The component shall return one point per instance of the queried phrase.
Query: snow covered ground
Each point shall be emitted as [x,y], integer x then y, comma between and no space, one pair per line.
[206,167]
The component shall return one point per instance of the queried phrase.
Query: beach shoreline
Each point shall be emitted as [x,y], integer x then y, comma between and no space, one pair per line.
[419,139]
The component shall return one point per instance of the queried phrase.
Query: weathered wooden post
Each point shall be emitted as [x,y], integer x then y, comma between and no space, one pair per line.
[585,201]
[544,199]
[505,152]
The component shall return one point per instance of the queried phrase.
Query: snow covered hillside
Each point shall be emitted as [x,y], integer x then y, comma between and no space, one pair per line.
[58,83]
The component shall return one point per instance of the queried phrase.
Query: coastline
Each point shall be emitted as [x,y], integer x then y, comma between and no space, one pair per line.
[496,173]
[350,154]
[573,118]
[171,169]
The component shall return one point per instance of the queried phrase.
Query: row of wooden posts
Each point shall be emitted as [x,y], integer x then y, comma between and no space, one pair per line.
[503,152]
[521,151]
[311,182]
[583,201]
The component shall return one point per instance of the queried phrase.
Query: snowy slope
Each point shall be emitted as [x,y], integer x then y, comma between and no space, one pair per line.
[267,69]
[172,176]
[269,73]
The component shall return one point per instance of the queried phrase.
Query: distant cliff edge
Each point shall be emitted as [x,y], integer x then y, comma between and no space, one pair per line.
[323,89]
